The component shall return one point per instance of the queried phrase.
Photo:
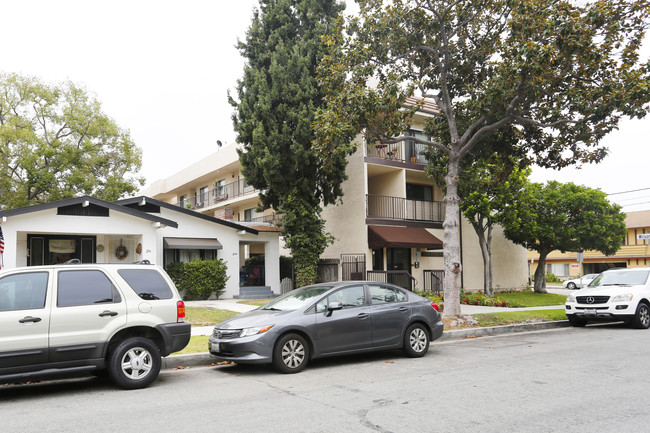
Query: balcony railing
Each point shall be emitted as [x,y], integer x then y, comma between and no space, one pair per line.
[398,208]
[217,195]
[273,218]
[399,278]
[407,151]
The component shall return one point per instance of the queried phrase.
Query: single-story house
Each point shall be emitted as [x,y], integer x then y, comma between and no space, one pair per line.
[139,228]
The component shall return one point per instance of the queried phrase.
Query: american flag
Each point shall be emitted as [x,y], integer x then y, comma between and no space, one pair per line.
[2,242]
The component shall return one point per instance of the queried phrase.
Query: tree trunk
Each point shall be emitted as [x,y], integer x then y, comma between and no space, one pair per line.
[451,243]
[540,273]
[478,228]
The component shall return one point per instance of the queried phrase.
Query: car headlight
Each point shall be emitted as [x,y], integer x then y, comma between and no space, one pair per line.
[246,332]
[570,298]
[623,298]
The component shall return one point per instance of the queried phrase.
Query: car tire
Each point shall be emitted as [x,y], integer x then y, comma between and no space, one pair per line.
[416,341]
[134,363]
[574,321]
[571,286]
[290,354]
[642,317]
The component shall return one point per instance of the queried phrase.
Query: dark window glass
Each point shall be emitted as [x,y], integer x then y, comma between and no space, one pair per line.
[147,283]
[37,251]
[349,296]
[84,288]
[23,291]
[419,192]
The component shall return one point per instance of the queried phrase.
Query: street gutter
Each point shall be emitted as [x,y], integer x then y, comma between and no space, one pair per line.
[205,359]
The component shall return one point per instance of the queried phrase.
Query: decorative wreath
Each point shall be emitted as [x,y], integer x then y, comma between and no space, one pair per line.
[121,252]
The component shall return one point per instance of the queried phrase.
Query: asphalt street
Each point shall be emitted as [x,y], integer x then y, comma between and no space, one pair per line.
[562,380]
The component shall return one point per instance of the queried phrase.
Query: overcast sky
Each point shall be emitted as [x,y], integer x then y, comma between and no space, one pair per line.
[162,69]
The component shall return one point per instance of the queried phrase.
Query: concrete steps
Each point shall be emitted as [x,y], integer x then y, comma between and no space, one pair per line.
[255,292]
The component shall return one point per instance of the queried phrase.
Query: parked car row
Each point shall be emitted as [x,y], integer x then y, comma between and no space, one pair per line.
[123,318]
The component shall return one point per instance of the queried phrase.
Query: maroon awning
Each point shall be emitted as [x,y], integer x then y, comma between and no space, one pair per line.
[402,237]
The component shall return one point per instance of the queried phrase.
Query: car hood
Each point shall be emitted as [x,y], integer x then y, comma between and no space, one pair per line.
[253,318]
[606,290]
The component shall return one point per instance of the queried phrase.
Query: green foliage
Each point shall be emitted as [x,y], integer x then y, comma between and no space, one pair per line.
[56,143]
[278,96]
[199,279]
[551,278]
[557,75]
[565,217]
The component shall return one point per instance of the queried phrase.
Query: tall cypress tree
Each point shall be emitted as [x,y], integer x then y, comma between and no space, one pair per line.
[278,98]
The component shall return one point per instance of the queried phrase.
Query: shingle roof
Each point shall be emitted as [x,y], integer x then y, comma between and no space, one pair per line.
[427,105]
[637,219]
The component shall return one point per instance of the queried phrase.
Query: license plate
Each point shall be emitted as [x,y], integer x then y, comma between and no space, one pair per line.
[590,311]
[215,347]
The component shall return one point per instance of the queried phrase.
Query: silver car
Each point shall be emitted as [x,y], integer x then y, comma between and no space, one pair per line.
[328,319]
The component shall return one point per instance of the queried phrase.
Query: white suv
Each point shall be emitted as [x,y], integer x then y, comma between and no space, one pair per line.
[76,318]
[617,294]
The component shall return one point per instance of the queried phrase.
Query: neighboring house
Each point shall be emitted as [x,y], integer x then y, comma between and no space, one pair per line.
[388,228]
[634,252]
[140,228]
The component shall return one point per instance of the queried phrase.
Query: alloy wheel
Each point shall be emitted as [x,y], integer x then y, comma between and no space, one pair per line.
[293,353]
[418,339]
[137,363]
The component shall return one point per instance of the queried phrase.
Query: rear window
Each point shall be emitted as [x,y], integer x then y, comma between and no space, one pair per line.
[147,283]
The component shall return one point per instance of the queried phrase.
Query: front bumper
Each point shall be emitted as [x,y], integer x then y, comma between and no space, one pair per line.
[255,349]
[609,311]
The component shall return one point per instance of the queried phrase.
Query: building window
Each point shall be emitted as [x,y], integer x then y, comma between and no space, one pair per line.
[221,187]
[558,269]
[419,192]
[250,214]
[183,200]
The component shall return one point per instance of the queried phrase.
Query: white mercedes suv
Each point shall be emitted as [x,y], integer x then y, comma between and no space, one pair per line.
[616,294]
[76,318]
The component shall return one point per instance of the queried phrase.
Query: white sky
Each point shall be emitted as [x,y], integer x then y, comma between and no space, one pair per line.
[162,69]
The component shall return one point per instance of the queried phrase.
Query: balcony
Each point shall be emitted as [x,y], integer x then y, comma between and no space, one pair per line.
[217,195]
[405,152]
[402,209]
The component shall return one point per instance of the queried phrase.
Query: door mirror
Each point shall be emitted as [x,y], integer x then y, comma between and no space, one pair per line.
[333,306]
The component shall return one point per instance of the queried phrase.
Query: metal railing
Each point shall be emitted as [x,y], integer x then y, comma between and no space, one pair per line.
[273,218]
[434,281]
[399,208]
[399,278]
[217,195]
[407,151]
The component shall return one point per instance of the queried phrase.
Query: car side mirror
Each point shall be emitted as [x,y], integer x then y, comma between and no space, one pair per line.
[333,306]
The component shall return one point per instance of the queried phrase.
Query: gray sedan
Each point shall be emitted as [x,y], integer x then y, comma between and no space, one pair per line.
[328,319]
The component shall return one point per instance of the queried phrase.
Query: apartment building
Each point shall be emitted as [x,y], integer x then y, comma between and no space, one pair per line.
[388,227]
[634,252]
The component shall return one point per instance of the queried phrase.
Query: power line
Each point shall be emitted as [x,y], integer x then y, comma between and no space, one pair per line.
[632,190]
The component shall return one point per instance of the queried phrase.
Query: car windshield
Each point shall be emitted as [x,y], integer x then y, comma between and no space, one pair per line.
[621,278]
[296,298]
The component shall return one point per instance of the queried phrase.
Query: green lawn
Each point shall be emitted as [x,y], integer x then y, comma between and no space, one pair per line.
[206,316]
[532,299]
[513,317]
[197,344]
[258,302]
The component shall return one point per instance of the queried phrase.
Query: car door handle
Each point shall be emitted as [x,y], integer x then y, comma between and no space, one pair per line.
[30,319]
[403,309]
[107,313]
[363,315]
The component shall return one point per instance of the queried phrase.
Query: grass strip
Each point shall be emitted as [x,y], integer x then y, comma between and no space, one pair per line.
[531,299]
[515,317]
[206,316]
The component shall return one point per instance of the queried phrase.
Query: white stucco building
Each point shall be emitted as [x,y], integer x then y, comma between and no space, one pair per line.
[140,228]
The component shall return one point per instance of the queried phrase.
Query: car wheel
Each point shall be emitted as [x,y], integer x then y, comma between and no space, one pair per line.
[134,363]
[642,317]
[571,286]
[291,354]
[574,321]
[416,341]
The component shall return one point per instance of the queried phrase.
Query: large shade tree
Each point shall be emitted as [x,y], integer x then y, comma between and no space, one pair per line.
[277,100]
[564,217]
[560,74]
[56,143]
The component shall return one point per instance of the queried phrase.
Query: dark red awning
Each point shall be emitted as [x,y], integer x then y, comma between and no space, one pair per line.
[402,237]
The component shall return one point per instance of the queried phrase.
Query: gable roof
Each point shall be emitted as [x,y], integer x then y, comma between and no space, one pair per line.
[90,200]
[136,201]
[638,219]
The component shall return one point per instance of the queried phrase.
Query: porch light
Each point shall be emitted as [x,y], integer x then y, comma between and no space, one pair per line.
[86,203]
[143,202]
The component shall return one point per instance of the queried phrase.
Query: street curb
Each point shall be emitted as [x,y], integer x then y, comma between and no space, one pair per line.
[205,359]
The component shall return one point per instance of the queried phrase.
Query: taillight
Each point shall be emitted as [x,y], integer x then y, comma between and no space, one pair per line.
[180,311]
[434,305]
